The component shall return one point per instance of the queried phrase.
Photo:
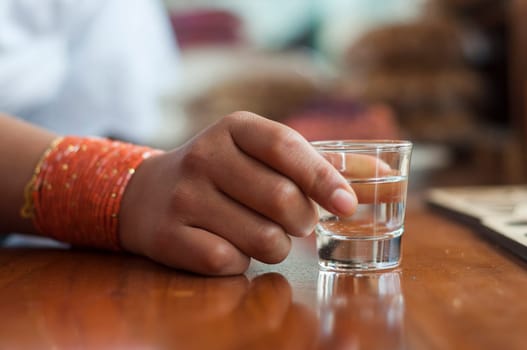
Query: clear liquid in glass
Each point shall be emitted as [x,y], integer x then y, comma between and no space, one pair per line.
[369,239]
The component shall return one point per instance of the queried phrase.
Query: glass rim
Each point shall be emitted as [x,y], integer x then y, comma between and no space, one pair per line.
[360,145]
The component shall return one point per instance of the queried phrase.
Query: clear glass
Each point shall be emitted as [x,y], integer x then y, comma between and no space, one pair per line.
[370,239]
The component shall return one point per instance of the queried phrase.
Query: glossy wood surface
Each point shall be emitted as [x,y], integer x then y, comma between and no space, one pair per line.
[454,290]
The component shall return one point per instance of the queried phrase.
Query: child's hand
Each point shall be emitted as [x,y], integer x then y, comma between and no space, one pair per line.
[235,191]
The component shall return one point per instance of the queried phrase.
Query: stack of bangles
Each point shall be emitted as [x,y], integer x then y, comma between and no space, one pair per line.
[76,190]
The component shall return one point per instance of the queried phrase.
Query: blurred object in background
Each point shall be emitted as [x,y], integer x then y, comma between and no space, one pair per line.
[494,44]
[218,82]
[269,64]
[235,56]
[435,71]
[268,25]
[86,67]
[485,32]
[446,75]
[331,119]
[517,83]
[341,23]
[272,94]
[206,27]
[417,68]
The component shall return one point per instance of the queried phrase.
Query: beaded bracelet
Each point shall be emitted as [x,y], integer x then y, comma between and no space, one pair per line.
[76,191]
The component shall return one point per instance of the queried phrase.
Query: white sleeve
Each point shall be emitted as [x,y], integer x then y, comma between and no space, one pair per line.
[86,67]
[33,60]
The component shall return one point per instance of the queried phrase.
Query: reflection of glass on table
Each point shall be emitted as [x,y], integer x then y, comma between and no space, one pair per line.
[360,311]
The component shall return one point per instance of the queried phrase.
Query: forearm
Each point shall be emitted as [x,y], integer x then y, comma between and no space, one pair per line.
[21,146]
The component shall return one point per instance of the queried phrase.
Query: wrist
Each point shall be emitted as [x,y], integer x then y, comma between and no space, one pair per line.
[78,187]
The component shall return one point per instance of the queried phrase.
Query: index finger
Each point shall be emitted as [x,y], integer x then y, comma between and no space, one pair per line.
[287,152]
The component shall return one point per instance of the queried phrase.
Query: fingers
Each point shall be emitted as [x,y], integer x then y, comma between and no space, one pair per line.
[268,193]
[196,250]
[287,152]
[253,234]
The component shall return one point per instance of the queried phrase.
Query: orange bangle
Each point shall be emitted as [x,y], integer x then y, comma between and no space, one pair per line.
[78,187]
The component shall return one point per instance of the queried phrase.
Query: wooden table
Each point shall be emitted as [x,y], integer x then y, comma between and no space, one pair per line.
[454,290]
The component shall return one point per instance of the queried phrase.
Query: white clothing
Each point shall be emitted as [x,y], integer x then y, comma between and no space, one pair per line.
[86,67]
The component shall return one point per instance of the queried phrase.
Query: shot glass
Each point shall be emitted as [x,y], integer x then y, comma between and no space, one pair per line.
[370,239]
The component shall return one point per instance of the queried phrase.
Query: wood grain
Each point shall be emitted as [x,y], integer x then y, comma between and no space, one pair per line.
[454,290]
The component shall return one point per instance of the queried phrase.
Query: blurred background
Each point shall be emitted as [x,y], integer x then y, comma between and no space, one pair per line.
[446,74]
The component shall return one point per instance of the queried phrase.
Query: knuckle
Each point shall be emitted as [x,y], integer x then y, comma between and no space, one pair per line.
[160,239]
[322,175]
[313,215]
[292,139]
[181,199]
[231,118]
[283,196]
[306,220]
[283,140]
[309,220]
[238,116]
[269,244]
[196,156]
[184,203]
[220,260]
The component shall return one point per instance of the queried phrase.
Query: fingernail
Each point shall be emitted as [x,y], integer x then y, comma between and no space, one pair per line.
[344,202]
[307,231]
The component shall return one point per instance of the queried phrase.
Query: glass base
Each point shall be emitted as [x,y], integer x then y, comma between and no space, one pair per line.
[344,253]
